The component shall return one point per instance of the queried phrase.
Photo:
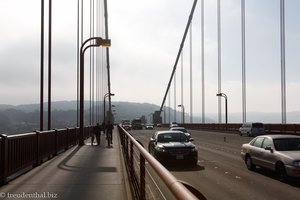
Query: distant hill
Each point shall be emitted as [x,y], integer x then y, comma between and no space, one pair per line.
[57,105]
[25,118]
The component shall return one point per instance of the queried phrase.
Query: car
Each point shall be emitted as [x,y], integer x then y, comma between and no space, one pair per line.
[173,124]
[173,147]
[279,153]
[252,129]
[149,126]
[182,129]
[126,125]
[136,124]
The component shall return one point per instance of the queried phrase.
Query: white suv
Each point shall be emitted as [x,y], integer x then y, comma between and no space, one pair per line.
[252,129]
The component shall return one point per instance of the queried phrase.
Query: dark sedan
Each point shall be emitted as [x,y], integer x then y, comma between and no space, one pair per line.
[279,153]
[173,147]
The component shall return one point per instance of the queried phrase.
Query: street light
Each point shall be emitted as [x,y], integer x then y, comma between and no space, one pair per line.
[106,95]
[225,96]
[98,42]
[182,112]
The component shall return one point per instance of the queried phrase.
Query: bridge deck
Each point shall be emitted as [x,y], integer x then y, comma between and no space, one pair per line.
[86,172]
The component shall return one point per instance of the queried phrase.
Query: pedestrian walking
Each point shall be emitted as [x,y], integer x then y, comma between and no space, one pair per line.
[109,129]
[97,131]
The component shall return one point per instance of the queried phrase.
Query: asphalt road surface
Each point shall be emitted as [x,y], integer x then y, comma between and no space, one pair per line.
[221,172]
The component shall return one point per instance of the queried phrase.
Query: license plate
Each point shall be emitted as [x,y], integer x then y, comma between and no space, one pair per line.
[178,157]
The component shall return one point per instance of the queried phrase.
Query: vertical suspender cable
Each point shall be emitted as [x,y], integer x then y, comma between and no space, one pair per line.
[202,61]
[170,107]
[243,60]
[182,82]
[219,59]
[97,63]
[175,106]
[191,74]
[283,81]
[91,50]
[79,37]
[93,65]
[81,30]
[42,68]
[49,63]
[77,89]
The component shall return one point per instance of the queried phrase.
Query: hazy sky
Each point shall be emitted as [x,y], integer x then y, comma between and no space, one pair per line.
[146,35]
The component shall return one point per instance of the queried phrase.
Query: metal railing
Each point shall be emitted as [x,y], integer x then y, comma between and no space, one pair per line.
[21,152]
[136,157]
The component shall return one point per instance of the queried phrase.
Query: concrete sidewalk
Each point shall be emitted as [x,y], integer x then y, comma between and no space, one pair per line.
[86,172]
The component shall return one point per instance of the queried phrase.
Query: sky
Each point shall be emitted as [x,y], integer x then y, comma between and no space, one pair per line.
[145,36]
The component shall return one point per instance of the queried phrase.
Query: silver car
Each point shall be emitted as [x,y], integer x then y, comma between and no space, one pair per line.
[279,153]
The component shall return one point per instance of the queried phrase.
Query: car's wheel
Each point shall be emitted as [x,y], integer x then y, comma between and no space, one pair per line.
[249,163]
[281,172]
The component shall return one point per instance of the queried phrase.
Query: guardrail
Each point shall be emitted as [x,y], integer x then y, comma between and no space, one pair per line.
[136,157]
[21,152]
[269,128]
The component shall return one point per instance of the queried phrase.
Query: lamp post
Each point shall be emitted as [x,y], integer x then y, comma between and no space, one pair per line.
[225,96]
[106,95]
[98,42]
[182,112]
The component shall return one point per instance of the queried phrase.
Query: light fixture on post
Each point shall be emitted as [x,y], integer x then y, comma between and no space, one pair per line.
[225,96]
[182,112]
[98,42]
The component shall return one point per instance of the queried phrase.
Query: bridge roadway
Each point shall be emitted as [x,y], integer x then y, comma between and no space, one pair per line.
[221,173]
[86,172]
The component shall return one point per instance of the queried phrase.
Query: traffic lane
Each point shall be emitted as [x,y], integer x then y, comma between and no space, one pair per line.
[234,140]
[223,174]
[216,154]
[222,179]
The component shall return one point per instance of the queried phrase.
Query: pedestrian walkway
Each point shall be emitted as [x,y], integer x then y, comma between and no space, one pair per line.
[87,172]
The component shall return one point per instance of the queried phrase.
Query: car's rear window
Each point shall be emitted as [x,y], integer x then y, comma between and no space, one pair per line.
[172,137]
[180,129]
[257,125]
[287,144]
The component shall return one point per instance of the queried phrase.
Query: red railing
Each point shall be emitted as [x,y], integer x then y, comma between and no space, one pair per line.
[20,152]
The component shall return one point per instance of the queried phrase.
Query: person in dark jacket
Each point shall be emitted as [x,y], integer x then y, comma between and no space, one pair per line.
[97,131]
[103,126]
[109,128]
